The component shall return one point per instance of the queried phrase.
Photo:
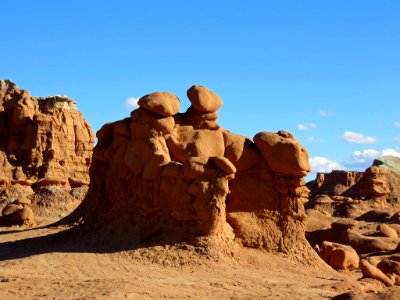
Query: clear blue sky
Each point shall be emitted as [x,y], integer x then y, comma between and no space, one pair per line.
[327,66]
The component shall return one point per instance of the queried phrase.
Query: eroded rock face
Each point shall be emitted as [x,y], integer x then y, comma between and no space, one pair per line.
[43,141]
[163,176]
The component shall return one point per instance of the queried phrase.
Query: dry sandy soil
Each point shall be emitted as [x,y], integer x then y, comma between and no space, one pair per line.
[38,264]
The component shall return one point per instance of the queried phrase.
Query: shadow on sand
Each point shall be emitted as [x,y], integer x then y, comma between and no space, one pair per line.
[77,240]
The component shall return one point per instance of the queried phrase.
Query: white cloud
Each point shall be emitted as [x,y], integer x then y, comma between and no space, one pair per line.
[132,102]
[326,113]
[307,126]
[358,138]
[397,123]
[368,155]
[324,165]
[362,156]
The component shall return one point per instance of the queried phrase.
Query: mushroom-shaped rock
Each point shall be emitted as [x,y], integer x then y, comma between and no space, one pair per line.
[162,103]
[203,99]
[371,271]
[283,153]
[339,256]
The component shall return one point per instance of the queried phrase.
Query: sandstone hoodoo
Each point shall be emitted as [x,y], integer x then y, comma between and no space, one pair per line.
[162,176]
[43,142]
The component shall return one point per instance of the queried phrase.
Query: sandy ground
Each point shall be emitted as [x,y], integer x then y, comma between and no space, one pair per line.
[28,271]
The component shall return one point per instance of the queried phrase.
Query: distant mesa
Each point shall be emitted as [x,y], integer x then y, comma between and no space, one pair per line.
[161,176]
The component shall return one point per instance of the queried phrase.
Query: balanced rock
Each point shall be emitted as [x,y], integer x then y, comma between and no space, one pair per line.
[162,103]
[203,99]
[283,153]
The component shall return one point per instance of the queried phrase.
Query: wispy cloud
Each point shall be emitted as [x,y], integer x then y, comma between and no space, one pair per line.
[397,123]
[306,126]
[326,113]
[324,165]
[358,138]
[313,139]
[132,102]
[397,138]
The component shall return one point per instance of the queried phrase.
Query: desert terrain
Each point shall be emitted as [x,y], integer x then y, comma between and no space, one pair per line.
[172,205]
[35,266]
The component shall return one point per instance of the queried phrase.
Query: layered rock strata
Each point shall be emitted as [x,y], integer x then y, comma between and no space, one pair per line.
[43,141]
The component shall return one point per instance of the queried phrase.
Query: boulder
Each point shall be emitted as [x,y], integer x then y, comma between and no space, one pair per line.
[389,266]
[162,103]
[387,231]
[371,271]
[203,99]
[23,201]
[339,256]
[284,154]
[11,208]
[365,244]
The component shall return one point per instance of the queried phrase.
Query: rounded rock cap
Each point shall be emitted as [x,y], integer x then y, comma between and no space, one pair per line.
[161,103]
[203,99]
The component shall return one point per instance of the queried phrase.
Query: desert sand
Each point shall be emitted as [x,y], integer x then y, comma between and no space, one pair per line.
[34,265]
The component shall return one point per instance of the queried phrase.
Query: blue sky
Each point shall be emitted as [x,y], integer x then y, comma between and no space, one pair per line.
[327,71]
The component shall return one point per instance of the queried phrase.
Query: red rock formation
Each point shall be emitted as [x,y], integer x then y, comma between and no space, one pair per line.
[43,141]
[334,183]
[162,175]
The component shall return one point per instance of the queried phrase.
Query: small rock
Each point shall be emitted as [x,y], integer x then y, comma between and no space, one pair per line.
[11,208]
[371,271]
[387,231]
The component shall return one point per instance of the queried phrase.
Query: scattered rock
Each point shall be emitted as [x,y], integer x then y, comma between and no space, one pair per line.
[387,231]
[371,271]
[339,256]
[203,99]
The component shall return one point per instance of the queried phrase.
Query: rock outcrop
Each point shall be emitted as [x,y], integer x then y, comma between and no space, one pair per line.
[43,141]
[364,208]
[162,176]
